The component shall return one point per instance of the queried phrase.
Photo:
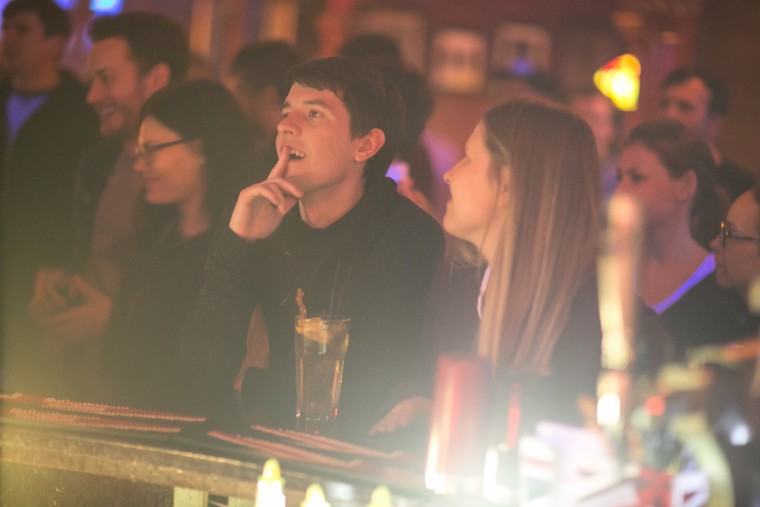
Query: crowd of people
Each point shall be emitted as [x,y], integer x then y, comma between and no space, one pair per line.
[156,229]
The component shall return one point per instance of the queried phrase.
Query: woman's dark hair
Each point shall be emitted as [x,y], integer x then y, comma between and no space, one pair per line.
[681,150]
[204,110]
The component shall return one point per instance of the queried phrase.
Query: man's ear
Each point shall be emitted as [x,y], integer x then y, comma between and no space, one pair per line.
[157,77]
[714,126]
[369,145]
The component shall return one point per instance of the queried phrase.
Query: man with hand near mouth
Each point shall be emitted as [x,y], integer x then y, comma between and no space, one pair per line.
[326,221]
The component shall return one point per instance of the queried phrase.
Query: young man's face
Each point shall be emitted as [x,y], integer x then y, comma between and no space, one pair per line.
[25,46]
[316,131]
[688,103]
[117,91]
[173,174]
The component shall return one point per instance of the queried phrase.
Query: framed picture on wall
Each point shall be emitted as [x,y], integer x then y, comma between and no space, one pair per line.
[520,50]
[407,27]
[458,60]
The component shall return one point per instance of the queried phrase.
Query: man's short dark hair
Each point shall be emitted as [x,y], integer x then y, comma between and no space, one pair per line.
[371,99]
[266,63]
[718,103]
[54,19]
[152,39]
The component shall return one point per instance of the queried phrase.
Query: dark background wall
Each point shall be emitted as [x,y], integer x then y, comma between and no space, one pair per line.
[721,35]
[728,42]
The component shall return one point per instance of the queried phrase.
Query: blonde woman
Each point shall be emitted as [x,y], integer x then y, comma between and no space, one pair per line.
[526,196]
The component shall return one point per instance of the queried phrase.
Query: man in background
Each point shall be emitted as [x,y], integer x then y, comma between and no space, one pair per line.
[699,100]
[257,79]
[134,55]
[45,126]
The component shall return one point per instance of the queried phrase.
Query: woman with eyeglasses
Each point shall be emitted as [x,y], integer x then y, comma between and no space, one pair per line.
[667,169]
[737,247]
[192,150]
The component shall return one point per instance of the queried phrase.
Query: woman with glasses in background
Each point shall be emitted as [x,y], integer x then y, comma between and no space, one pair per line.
[667,169]
[737,247]
[192,150]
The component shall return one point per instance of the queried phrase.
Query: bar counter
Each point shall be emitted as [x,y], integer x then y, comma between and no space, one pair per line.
[66,463]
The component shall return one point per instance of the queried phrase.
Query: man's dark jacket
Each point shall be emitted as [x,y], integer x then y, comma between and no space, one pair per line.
[38,175]
[374,265]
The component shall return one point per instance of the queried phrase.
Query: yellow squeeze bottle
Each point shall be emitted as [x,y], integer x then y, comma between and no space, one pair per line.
[269,487]
[381,497]
[315,497]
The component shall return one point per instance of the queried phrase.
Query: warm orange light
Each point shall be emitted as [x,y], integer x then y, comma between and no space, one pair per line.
[619,80]
[655,405]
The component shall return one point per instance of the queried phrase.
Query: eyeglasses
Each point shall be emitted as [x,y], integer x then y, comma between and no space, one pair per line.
[726,232]
[146,151]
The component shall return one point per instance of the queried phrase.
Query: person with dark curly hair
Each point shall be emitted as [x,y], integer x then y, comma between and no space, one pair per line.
[668,169]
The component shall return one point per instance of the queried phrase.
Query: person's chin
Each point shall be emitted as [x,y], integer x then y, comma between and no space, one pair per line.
[723,280]
[152,197]
[111,130]
[445,222]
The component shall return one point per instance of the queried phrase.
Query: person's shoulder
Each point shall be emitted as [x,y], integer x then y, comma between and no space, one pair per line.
[103,148]
[710,297]
[588,288]
[403,212]
[68,111]
[5,88]
[734,178]
[100,157]
[730,166]
[398,227]
[584,307]
[71,84]
[708,287]
[708,313]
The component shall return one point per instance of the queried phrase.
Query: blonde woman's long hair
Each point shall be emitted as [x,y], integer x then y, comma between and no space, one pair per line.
[548,244]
